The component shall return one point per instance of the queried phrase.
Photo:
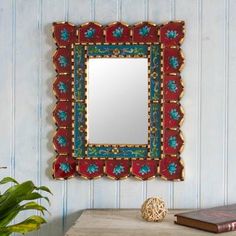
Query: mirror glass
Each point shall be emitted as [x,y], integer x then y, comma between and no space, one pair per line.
[118,101]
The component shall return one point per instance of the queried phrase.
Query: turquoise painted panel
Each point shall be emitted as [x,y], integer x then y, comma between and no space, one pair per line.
[79,72]
[125,152]
[155,72]
[116,50]
[79,92]
[155,134]
[79,125]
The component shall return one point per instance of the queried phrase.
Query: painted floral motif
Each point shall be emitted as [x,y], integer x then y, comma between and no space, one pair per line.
[174,63]
[124,50]
[65,167]
[172,142]
[63,61]
[113,152]
[64,34]
[79,117]
[145,169]
[92,168]
[144,31]
[62,87]
[118,169]
[172,168]
[90,33]
[118,40]
[62,115]
[174,114]
[62,141]
[172,86]
[117,33]
[171,34]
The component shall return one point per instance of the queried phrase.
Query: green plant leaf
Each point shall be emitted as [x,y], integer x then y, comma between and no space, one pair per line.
[33,206]
[44,188]
[30,224]
[11,204]
[10,214]
[8,217]
[8,180]
[33,196]
[14,195]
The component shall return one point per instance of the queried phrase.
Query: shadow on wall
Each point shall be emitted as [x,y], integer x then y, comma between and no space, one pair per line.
[49,82]
[71,219]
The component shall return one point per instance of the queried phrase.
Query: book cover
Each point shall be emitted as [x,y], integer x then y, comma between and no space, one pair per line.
[217,219]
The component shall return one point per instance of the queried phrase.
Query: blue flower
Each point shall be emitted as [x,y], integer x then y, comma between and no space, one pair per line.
[62,141]
[172,86]
[118,169]
[62,87]
[172,142]
[144,169]
[144,31]
[117,33]
[174,63]
[171,34]
[64,35]
[92,168]
[174,114]
[62,115]
[172,167]
[65,167]
[63,61]
[90,33]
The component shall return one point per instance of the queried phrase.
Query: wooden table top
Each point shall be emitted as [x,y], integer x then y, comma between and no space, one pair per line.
[128,222]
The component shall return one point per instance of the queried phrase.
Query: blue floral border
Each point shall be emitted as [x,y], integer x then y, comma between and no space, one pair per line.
[112,152]
[80,149]
[118,50]
[79,129]
[155,101]
[79,72]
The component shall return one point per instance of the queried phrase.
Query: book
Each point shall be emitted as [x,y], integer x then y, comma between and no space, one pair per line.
[216,220]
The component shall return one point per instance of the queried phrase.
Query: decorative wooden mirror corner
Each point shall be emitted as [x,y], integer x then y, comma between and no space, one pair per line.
[118,88]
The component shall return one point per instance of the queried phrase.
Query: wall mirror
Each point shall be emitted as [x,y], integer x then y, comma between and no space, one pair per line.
[118,101]
[118,89]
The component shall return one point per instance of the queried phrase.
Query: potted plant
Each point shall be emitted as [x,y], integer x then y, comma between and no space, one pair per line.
[20,197]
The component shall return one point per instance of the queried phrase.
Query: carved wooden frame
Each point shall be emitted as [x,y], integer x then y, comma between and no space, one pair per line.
[161,45]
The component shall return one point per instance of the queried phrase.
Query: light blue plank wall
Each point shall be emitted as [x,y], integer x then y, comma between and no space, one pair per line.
[26,102]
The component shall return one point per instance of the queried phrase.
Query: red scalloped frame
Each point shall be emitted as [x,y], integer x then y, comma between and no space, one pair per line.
[170,36]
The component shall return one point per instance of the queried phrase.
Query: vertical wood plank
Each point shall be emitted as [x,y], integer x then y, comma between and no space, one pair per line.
[52,10]
[7,87]
[78,189]
[102,8]
[160,188]
[79,11]
[226,100]
[212,172]
[131,193]
[133,11]
[104,193]
[159,12]
[231,98]
[187,11]
[26,89]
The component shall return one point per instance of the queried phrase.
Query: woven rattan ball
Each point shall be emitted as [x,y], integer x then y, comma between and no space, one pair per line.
[153,209]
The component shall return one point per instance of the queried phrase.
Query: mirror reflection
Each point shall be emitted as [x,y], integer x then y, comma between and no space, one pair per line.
[118,101]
